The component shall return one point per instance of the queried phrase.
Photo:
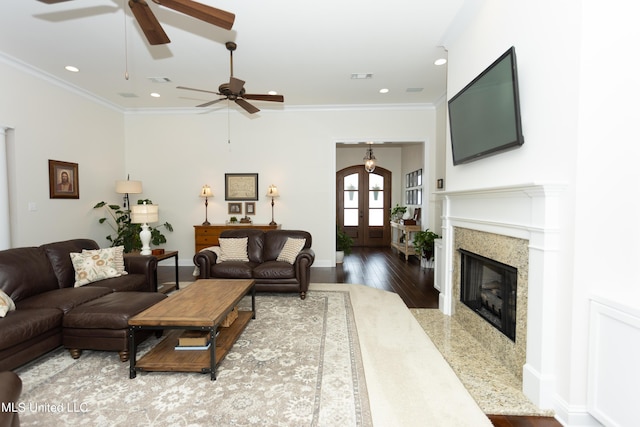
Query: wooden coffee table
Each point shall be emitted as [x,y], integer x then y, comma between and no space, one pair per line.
[202,306]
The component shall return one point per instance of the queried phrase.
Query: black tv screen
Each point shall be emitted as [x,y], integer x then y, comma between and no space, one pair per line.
[484,117]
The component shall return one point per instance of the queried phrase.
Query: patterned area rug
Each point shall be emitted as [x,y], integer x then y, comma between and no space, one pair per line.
[298,363]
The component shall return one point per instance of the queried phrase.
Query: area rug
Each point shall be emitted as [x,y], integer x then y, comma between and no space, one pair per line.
[298,363]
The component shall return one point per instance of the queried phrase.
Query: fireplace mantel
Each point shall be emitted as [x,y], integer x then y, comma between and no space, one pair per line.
[527,211]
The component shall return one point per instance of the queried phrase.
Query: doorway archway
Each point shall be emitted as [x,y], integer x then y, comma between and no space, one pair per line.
[363,202]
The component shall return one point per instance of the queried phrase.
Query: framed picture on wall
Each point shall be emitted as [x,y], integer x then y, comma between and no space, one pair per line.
[241,186]
[250,208]
[63,180]
[235,208]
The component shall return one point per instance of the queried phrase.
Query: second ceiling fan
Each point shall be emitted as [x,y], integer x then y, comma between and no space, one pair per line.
[234,90]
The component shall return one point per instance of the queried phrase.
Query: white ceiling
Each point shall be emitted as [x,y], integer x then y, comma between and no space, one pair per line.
[304,50]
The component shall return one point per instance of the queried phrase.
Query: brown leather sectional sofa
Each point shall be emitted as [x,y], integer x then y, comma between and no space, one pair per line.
[40,281]
[263,248]
[10,389]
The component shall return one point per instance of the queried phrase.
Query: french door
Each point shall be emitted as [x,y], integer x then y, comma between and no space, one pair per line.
[363,204]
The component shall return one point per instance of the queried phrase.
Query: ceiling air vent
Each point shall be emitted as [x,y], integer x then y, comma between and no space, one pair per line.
[160,79]
[361,76]
[128,95]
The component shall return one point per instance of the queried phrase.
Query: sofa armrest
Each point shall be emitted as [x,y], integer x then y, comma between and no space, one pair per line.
[10,389]
[302,267]
[203,260]
[141,264]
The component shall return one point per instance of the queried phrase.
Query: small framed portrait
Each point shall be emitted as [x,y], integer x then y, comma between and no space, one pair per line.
[250,208]
[235,208]
[63,180]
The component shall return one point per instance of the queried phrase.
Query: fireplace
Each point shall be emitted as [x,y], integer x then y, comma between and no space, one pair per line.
[489,288]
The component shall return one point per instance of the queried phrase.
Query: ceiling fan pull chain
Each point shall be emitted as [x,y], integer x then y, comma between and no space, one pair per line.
[126,51]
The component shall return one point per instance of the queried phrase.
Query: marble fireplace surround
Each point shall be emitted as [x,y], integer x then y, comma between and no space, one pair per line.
[525,219]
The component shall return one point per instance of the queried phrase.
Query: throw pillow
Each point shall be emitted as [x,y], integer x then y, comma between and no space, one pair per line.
[234,249]
[114,254]
[93,266]
[6,304]
[291,249]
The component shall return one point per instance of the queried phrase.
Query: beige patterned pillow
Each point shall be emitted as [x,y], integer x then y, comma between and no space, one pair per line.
[92,266]
[6,304]
[291,249]
[234,249]
[115,257]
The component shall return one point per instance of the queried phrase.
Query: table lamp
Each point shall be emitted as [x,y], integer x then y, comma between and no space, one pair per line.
[206,193]
[144,214]
[273,193]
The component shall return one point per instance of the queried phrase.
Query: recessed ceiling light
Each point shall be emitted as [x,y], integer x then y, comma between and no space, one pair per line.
[72,68]
[155,94]
[440,61]
[272,92]
[385,90]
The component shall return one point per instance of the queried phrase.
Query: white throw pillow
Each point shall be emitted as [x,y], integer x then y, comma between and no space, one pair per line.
[92,266]
[234,249]
[6,304]
[291,249]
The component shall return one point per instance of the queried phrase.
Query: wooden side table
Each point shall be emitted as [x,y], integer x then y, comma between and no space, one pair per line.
[163,256]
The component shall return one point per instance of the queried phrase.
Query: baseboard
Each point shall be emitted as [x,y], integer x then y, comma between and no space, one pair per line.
[574,415]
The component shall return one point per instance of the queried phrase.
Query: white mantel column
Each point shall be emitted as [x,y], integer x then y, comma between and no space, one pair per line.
[5,230]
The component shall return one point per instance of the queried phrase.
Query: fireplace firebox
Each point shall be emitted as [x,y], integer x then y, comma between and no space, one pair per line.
[489,287]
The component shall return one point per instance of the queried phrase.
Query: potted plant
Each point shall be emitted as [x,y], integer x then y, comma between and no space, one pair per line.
[233,220]
[127,234]
[344,242]
[398,212]
[423,243]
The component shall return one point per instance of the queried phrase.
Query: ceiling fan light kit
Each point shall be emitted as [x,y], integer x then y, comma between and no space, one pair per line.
[234,90]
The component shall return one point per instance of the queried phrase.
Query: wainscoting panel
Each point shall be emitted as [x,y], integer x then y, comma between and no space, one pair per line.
[614,347]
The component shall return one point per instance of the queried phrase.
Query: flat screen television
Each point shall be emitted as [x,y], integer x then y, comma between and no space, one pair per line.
[484,117]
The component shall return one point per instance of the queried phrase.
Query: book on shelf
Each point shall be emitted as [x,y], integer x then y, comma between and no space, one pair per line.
[193,338]
[193,347]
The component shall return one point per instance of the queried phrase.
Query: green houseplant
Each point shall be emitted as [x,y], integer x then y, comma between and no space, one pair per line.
[398,212]
[126,233]
[344,242]
[423,242]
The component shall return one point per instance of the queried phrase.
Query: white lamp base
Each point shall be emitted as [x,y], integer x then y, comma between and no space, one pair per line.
[145,238]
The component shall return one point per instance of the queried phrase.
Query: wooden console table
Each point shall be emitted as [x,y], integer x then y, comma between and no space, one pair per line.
[207,235]
[400,230]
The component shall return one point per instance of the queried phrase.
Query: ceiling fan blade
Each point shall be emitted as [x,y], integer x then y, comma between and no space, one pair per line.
[273,98]
[248,107]
[148,22]
[206,104]
[235,85]
[217,17]
[197,90]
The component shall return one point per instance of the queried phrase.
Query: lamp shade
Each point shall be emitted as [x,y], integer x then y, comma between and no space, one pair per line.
[144,214]
[273,191]
[128,187]
[206,191]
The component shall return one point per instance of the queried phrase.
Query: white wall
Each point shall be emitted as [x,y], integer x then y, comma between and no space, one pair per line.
[51,122]
[174,154]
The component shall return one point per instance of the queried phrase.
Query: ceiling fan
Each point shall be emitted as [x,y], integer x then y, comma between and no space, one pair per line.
[151,26]
[234,90]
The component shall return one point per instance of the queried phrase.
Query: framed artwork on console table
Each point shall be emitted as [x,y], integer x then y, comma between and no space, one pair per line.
[63,180]
[240,186]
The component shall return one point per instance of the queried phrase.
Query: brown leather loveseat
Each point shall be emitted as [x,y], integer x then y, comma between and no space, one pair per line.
[10,389]
[264,252]
[40,281]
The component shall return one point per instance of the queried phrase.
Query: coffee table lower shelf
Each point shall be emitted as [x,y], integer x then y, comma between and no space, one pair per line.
[164,356]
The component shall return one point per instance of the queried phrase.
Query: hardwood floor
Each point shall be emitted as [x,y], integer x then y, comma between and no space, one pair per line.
[385,268]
